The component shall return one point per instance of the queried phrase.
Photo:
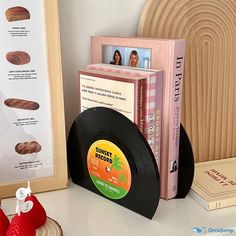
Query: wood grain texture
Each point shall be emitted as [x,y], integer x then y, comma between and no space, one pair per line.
[209,98]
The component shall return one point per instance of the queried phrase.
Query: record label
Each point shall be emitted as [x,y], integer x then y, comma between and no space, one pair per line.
[109,169]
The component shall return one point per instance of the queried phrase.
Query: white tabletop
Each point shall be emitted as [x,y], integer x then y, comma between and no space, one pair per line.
[83,213]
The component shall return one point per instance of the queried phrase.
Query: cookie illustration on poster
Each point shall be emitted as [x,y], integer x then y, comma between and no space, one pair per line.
[16,151]
[25,103]
[24,148]
[17,13]
[18,57]
[21,104]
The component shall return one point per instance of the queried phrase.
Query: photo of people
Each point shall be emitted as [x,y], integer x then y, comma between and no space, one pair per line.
[133,59]
[126,56]
[117,58]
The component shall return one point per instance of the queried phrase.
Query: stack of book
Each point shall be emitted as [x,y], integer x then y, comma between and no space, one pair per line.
[142,79]
[214,184]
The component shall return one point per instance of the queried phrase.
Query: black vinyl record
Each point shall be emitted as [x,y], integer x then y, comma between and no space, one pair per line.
[108,155]
[186,164]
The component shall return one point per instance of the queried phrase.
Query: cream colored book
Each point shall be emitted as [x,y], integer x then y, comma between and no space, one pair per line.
[214,184]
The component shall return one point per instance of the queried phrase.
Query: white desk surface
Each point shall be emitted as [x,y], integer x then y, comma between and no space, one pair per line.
[83,213]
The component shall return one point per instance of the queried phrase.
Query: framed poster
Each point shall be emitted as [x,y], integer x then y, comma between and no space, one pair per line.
[32,127]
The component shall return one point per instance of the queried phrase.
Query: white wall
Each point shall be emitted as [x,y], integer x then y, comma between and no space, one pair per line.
[80,19]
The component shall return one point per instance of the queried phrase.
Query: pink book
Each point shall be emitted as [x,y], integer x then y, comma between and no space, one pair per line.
[161,54]
[151,123]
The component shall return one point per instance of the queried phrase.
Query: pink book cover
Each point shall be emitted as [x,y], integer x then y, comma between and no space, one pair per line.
[123,93]
[152,126]
[161,54]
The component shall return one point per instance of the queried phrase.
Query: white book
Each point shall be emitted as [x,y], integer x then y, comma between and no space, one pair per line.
[214,184]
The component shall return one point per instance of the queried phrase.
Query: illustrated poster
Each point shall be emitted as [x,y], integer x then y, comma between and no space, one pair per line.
[26,147]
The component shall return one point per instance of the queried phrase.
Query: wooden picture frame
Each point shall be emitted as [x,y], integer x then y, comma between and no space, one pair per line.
[59,177]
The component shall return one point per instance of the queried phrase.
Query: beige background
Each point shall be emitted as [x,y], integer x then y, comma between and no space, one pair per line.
[80,19]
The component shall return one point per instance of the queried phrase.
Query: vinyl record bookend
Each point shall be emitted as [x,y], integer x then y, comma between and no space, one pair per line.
[108,155]
[186,164]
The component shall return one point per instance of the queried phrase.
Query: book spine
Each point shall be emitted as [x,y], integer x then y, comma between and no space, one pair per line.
[212,204]
[227,202]
[150,117]
[141,105]
[158,114]
[175,116]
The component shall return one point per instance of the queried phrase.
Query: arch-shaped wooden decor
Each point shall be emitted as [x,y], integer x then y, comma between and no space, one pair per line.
[209,94]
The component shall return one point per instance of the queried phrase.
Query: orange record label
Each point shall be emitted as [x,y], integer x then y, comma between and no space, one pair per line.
[109,169]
